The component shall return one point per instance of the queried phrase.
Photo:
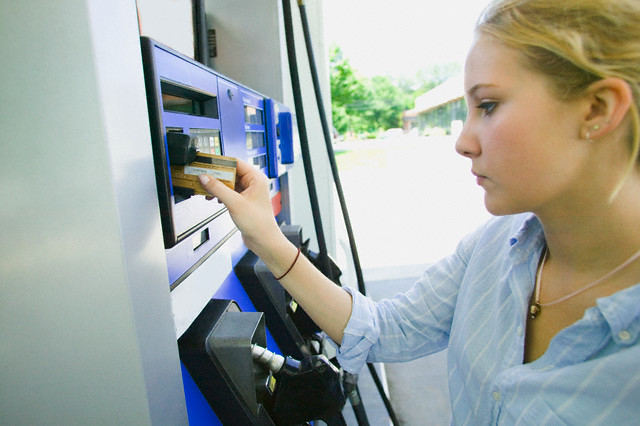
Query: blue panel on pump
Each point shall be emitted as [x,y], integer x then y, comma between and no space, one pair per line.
[272,138]
[285,129]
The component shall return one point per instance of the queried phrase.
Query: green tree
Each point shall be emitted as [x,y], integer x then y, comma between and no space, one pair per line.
[348,94]
[389,102]
[369,105]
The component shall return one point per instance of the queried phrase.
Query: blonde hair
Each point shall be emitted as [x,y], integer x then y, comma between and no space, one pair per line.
[574,43]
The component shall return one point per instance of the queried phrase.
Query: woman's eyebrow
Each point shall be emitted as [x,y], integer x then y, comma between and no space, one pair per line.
[478,86]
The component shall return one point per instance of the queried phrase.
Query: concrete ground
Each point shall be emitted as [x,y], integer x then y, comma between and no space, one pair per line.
[410,200]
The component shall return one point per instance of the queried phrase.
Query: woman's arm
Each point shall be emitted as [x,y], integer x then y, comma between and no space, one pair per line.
[250,208]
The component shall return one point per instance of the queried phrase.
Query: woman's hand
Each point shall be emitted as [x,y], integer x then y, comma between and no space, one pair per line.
[250,207]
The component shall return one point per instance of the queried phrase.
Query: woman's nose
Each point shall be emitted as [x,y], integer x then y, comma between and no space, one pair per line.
[467,144]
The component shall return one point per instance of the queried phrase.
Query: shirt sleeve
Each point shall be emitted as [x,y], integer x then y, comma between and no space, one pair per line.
[409,325]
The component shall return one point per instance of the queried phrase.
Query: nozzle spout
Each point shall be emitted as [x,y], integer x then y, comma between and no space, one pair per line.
[272,361]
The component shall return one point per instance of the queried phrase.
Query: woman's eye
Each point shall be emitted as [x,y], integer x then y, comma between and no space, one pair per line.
[487,107]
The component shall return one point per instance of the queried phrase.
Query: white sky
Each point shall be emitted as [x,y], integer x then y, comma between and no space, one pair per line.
[400,37]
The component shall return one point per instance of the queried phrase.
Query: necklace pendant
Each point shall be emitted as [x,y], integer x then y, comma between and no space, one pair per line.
[534,310]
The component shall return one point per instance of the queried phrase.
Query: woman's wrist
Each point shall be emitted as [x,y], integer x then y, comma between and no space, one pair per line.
[278,253]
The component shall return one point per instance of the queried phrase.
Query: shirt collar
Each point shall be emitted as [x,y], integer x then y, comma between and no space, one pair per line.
[621,311]
[527,236]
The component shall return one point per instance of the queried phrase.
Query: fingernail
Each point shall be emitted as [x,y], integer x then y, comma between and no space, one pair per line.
[204,179]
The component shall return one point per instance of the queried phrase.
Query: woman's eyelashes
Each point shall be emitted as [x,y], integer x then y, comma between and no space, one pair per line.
[487,107]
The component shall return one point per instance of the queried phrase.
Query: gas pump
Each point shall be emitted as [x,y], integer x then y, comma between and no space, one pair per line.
[225,301]
[100,264]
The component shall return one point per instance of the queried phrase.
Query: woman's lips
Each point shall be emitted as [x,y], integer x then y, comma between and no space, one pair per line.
[479,178]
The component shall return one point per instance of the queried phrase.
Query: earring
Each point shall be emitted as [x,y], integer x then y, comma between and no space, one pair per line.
[588,134]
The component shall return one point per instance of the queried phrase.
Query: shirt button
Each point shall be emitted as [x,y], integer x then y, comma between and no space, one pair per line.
[519,331]
[624,335]
[496,395]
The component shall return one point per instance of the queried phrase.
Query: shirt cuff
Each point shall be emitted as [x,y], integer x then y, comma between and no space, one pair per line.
[359,335]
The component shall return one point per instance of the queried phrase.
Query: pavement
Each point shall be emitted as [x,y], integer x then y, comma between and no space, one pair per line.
[410,201]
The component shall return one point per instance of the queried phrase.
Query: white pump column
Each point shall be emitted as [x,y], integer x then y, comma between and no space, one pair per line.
[86,330]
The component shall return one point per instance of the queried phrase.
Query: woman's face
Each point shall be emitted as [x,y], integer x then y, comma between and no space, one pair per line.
[524,143]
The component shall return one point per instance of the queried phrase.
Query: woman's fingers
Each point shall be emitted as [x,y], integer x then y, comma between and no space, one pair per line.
[216,188]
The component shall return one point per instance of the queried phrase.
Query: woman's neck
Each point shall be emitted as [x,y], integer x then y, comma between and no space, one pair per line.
[596,235]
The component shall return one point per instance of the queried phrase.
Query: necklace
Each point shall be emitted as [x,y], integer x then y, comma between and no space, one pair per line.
[536,306]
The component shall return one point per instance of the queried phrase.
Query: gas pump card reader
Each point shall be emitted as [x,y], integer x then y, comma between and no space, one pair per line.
[187,163]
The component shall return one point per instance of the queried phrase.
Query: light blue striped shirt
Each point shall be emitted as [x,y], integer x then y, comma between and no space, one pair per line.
[475,303]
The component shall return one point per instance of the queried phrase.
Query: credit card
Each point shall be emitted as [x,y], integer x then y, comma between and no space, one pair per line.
[220,167]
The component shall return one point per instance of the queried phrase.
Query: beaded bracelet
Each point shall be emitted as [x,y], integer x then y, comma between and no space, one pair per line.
[290,267]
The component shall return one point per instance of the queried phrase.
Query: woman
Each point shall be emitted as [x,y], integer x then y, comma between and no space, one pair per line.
[540,308]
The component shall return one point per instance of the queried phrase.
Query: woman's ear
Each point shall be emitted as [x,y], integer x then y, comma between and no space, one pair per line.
[608,101]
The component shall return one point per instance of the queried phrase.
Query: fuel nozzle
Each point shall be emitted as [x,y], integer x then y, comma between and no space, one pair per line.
[270,360]
[305,390]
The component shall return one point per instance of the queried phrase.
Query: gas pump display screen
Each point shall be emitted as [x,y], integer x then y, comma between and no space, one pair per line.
[252,115]
[255,140]
[207,140]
